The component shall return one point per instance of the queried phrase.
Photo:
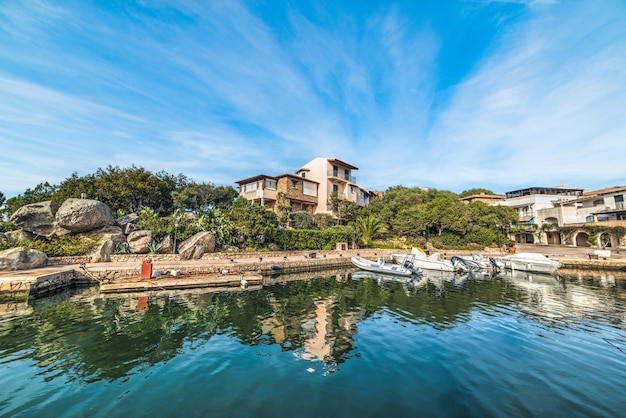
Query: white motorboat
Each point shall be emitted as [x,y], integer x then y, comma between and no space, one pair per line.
[419,259]
[379,266]
[478,262]
[532,262]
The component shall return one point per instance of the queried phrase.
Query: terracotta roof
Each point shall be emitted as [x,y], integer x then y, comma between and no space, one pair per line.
[483,196]
[255,178]
[350,166]
[297,177]
[263,176]
[606,190]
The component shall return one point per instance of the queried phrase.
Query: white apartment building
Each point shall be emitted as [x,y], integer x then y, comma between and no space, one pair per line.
[334,177]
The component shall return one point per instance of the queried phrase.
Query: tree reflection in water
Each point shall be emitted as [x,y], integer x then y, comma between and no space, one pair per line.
[87,337]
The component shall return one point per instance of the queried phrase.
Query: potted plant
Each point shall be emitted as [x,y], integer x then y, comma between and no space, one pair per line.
[510,247]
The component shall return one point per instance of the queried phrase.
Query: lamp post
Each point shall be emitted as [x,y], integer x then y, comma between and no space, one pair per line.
[175,234]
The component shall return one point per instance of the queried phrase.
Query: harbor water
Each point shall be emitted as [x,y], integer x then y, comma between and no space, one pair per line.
[342,345]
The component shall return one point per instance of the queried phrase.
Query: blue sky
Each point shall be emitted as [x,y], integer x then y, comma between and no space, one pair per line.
[444,94]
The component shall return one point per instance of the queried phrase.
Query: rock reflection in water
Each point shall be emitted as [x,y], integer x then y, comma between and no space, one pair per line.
[445,345]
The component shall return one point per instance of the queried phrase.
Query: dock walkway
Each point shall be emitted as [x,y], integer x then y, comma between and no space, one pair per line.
[220,269]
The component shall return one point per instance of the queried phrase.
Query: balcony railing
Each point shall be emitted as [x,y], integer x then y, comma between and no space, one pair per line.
[342,176]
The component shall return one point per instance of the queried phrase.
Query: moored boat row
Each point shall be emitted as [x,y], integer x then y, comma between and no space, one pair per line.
[416,261]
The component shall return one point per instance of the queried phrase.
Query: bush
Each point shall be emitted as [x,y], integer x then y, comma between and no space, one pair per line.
[302,220]
[65,246]
[308,239]
[450,241]
[7,226]
[483,237]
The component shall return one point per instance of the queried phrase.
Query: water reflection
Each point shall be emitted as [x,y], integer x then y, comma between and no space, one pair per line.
[88,337]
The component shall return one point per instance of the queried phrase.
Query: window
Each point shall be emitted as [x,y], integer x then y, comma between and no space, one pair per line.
[335,189]
[335,171]
[346,174]
[309,189]
[294,183]
[270,184]
[303,174]
[351,189]
[589,218]
[250,187]
[598,202]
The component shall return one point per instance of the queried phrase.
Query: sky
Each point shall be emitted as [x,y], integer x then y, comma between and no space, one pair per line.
[450,95]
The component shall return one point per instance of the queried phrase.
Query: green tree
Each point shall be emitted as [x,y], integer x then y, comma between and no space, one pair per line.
[444,213]
[302,220]
[367,227]
[200,196]
[324,220]
[217,221]
[75,187]
[475,191]
[346,212]
[253,223]
[151,221]
[410,222]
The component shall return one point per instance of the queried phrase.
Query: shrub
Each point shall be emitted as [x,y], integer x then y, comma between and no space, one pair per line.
[7,226]
[64,246]
[308,239]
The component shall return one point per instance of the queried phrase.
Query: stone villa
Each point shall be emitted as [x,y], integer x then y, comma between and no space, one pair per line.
[543,210]
[309,189]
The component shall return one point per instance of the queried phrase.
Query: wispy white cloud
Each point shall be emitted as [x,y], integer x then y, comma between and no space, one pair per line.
[219,91]
[544,109]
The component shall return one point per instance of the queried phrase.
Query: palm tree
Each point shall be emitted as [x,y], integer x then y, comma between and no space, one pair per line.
[367,227]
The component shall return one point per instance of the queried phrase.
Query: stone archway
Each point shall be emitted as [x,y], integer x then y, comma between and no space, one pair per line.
[605,240]
[581,239]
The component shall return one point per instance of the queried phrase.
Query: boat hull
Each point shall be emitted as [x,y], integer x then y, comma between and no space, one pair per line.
[378,267]
[534,263]
[424,264]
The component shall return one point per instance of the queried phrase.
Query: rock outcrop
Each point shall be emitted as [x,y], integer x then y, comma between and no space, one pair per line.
[94,220]
[139,241]
[194,247]
[106,237]
[167,246]
[19,235]
[128,223]
[103,251]
[37,218]
[21,258]
[80,215]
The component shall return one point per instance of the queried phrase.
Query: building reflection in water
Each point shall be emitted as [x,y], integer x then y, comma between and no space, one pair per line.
[322,334]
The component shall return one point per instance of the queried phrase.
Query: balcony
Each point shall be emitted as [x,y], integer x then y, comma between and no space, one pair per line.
[341,177]
[265,194]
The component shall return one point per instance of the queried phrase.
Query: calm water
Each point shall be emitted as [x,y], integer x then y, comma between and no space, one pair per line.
[340,346]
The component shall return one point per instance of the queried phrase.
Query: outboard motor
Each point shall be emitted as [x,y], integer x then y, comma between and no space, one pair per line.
[495,264]
[461,265]
[410,266]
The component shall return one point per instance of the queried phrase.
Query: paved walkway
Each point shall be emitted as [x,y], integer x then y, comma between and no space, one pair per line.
[559,251]
[553,251]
